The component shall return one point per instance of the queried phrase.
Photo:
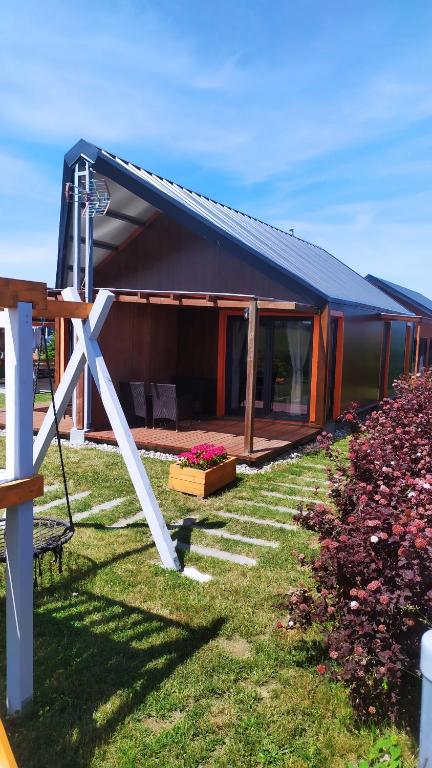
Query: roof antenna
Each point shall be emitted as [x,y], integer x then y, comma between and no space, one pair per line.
[291,231]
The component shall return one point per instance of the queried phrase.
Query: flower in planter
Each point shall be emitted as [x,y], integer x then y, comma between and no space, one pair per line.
[203,456]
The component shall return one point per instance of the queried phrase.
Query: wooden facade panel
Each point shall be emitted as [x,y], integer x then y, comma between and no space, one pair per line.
[139,343]
[197,343]
[167,256]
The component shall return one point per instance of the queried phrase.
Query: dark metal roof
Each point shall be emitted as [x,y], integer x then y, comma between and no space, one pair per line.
[422,304]
[308,264]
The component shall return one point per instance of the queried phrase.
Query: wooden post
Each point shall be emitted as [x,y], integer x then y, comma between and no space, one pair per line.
[319,378]
[19,518]
[251,376]
[417,354]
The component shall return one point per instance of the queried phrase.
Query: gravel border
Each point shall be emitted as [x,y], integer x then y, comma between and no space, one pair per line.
[290,457]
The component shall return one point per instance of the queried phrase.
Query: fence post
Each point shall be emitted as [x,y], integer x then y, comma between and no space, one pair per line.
[425,752]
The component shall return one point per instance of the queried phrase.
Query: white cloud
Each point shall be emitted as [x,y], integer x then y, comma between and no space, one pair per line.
[24,179]
[374,237]
[136,80]
[29,256]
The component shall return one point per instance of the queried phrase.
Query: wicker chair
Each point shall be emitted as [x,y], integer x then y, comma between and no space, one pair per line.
[133,399]
[168,406]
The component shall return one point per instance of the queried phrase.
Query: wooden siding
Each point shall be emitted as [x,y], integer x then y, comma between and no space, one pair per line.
[167,256]
[197,343]
[139,343]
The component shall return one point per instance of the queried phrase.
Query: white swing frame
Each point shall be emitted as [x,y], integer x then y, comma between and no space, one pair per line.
[24,458]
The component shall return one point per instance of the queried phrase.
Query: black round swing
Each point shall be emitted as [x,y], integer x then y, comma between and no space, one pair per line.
[49,534]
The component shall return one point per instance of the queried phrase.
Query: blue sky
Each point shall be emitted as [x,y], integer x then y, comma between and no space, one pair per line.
[313,115]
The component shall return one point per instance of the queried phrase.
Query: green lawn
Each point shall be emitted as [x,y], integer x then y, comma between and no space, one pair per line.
[42,397]
[137,666]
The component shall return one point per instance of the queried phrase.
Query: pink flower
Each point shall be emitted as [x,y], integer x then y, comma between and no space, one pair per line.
[321,669]
[373,586]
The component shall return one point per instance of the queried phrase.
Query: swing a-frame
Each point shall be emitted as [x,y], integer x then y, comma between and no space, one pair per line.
[22,302]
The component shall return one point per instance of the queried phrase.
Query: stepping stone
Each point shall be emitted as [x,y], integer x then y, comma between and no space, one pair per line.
[317,466]
[298,485]
[257,521]
[277,495]
[125,521]
[219,554]
[307,478]
[49,488]
[226,535]
[291,510]
[61,502]
[193,573]
[98,508]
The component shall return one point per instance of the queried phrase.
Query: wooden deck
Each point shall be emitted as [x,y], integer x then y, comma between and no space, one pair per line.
[272,437]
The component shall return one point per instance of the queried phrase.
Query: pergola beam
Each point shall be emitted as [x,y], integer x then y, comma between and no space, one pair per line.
[207,300]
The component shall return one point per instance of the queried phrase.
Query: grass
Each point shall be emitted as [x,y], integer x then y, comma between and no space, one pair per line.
[138,666]
[42,397]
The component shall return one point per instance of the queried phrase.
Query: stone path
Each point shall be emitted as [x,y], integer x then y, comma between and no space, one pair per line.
[98,508]
[60,502]
[304,499]
[190,531]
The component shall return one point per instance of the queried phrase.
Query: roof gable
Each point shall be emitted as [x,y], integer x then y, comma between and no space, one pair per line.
[422,304]
[308,264]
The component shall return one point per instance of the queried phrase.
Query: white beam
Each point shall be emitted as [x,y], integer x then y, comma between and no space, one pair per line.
[19,519]
[125,441]
[70,378]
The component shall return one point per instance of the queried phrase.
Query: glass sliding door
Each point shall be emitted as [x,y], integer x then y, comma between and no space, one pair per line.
[283,367]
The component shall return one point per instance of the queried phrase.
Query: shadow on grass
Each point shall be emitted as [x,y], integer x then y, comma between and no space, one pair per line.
[183,532]
[96,661]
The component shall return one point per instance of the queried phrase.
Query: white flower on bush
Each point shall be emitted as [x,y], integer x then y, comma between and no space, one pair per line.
[374,539]
[354,604]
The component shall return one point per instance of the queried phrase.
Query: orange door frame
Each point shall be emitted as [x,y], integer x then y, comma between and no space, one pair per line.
[221,364]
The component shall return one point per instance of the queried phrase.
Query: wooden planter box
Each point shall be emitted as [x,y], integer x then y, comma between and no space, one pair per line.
[202,482]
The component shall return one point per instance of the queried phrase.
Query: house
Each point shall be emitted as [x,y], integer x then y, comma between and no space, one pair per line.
[418,304]
[272,335]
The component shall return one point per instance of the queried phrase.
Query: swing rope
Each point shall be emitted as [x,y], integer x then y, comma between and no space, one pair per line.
[49,534]
[57,429]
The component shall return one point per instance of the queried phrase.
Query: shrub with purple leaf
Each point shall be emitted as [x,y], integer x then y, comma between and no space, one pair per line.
[373,576]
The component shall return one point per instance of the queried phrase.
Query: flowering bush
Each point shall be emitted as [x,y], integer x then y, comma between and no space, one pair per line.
[350,417]
[203,456]
[374,572]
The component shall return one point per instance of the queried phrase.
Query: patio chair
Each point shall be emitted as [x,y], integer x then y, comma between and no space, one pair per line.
[168,405]
[133,400]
